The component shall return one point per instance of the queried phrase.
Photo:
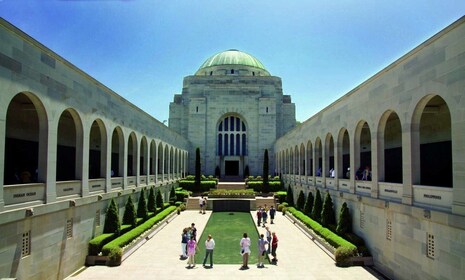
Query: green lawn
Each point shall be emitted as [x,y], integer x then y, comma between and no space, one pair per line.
[226,229]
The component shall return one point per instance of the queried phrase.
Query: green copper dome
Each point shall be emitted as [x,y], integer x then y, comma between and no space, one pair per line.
[232,57]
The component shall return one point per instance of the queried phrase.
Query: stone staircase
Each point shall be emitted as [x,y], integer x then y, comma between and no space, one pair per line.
[262,201]
[231,185]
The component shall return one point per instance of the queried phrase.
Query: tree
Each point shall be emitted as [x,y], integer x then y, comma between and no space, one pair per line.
[112,224]
[129,217]
[246,171]
[172,195]
[266,184]
[308,204]
[317,205]
[151,203]
[290,196]
[344,225]
[159,200]
[142,206]
[327,214]
[300,201]
[197,168]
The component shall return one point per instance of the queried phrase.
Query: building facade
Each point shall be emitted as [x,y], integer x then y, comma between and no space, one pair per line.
[396,144]
[232,109]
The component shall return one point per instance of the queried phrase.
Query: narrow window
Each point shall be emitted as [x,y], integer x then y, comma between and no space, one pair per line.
[232,123]
[362,219]
[211,73]
[69,228]
[253,73]
[232,71]
[267,110]
[221,126]
[197,109]
[97,218]
[26,248]
[388,229]
[430,245]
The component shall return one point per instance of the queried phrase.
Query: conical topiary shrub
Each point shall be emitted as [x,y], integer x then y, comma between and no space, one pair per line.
[198,169]
[266,183]
[129,217]
[300,201]
[317,205]
[142,211]
[344,225]
[151,205]
[172,195]
[327,214]
[290,196]
[112,224]
[159,200]
[308,204]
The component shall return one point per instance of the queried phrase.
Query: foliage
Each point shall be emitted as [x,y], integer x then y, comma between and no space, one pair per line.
[344,249]
[328,217]
[129,217]
[344,224]
[266,186]
[217,171]
[300,201]
[317,207]
[112,224]
[114,250]
[281,195]
[159,199]
[151,202]
[172,194]
[96,244]
[181,194]
[308,204]
[290,196]
[258,186]
[142,206]
[197,167]
[229,193]
[203,187]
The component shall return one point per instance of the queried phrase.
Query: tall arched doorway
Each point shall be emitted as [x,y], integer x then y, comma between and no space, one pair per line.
[231,146]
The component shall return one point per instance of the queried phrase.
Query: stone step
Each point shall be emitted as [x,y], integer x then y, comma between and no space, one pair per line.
[231,186]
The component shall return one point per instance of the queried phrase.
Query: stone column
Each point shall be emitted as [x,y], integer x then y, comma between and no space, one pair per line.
[83,165]
[354,160]
[137,161]
[458,160]
[374,163]
[107,158]
[125,160]
[2,154]
[410,160]
[48,157]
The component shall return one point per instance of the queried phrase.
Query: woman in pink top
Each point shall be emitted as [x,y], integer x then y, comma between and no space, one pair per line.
[191,250]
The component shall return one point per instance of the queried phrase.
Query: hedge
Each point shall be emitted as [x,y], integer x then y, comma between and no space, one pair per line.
[114,249]
[205,186]
[258,186]
[96,244]
[344,249]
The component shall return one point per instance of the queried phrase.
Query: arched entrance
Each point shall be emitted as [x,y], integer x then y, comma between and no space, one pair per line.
[231,146]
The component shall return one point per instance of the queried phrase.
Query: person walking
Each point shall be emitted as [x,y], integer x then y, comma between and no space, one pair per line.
[264,216]
[194,231]
[245,251]
[204,204]
[274,246]
[259,216]
[209,246]
[272,214]
[191,250]
[201,204]
[261,250]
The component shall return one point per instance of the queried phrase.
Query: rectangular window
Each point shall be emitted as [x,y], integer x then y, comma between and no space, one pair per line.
[69,228]
[430,245]
[26,248]
[388,229]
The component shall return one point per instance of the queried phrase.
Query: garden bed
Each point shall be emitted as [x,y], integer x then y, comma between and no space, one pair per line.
[328,248]
[133,246]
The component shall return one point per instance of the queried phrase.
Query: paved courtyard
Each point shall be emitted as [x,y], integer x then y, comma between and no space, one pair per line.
[299,258]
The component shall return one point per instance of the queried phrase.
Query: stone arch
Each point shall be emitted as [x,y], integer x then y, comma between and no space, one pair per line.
[432,142]
[329,155]
[97,149]
[318,157]
[390,148]
[143,156]
[309,158]
[26,133]
[160,154]
[363,149]
[152,157]
[302,159]
[117,152]
[343,145]
[69,146]
[132,154]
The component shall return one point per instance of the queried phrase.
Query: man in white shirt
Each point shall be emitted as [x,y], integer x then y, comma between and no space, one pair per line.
[209,246]
[201,204]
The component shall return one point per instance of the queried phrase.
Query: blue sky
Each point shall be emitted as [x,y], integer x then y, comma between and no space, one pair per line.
[142,50]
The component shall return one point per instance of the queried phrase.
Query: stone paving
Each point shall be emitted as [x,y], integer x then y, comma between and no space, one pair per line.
[299,258]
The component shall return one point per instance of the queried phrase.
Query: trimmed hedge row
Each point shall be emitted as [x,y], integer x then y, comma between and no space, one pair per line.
[258,186]
[114,249]
[205,186]
[344,249]
[96,244]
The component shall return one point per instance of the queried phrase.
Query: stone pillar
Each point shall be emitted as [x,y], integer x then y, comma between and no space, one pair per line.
[458,160]
[374,163]
[125,161]
[156,163]
[136,163]
[48,157]
[84,163]
[410,160]
[2,153]
[106,157]
[338,172]
[354,160]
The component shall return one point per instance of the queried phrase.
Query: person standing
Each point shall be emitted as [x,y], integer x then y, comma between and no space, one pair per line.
[184,240]
[204,204]
[261,250]
[245,251]
[274,246]
[264,216]
[259,216]
[268,239]
[191,250]
[193,232]
[201,204]
[272,214]
[209,246]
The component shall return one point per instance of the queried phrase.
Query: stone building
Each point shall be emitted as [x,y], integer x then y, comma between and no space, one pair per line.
[232,109]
